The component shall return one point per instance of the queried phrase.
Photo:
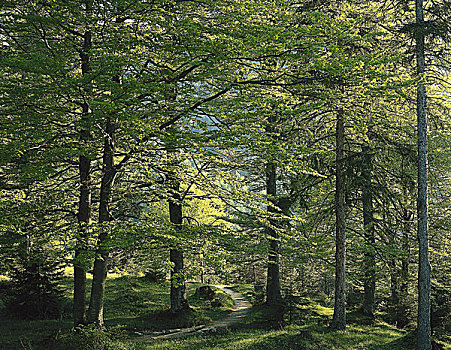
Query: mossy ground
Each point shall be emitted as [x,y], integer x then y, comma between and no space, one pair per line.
[311,336]
[135,304]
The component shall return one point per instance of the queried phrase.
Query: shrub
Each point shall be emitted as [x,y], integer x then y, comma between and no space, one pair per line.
[440,307]
[93,338]
[34,291]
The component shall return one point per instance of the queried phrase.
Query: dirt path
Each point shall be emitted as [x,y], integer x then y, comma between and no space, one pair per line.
[240,310]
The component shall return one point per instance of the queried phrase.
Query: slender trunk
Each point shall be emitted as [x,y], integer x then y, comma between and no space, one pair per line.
[202,267]
[95,311]
[84,205]
[273,294]
[79,310]
[339,319]
[404,288]
[394,284]
[407,227]
[424,268]
[369,283]
[178,288]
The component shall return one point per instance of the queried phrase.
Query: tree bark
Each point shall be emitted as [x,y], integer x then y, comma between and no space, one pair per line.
[407,215]
[95,311]
[84,204]
[369,283]
[339,318]
[394,284]
[424,268]
[273,294]
[179,302]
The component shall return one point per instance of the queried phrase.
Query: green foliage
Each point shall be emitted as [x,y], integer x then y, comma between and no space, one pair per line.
[222,301]
[311,332]
[217,300]
[440,308]
[92,338]
[401,314]
[210,93]
[35,291]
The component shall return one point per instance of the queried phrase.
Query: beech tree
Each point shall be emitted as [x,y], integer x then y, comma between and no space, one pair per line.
[296,124]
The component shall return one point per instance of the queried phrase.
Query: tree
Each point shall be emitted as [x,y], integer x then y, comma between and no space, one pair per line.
[273,294]
[339,319]
[424,268]
[179,302]
[369,285]
[84,203]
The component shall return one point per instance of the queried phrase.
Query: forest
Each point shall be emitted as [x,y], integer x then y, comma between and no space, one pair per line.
[225,174]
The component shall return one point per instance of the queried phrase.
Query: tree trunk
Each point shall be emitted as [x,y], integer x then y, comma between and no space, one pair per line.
[84,205]
[179,302]
[394,285]
[95,311]
[369,282]
[339,319]
[406,253]
[273,294]
[424,268]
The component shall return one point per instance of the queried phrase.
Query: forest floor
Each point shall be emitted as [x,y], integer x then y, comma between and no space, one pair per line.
[240,309]
[265,329]
[134,306]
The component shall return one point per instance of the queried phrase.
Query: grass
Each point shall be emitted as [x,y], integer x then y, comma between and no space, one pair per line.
[247,290]
[131,302]
[134,304]
[379,336]
[263,329]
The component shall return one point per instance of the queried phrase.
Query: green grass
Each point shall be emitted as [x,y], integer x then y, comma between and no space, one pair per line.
[259,331]
[134,304]
[292,337]
[247,290]
[379,336]
[130,302]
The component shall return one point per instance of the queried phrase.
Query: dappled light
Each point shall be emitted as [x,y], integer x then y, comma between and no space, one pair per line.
[225,174]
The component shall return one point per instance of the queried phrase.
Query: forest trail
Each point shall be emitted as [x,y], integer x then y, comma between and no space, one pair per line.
[240,310]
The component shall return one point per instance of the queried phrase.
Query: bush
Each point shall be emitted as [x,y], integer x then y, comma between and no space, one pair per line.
[402,314]
[440,307]
[93,338]
[34,289]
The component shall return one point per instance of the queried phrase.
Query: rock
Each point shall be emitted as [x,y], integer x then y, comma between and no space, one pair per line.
[222,330]
[306,334]
[216,303]
[158,276]
[210,330]
[205,292]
